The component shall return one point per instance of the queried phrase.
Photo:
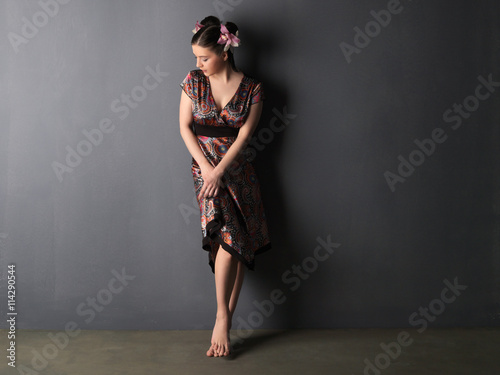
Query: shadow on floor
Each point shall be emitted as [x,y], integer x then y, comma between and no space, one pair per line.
[256,340]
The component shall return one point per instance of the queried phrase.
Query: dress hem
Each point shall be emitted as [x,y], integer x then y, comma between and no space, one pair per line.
[213,235]
[230,250]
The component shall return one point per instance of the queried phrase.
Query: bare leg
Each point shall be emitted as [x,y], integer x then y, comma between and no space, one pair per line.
[226,269]
[240,274]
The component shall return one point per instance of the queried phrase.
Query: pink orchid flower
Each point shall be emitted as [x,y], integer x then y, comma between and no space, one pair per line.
[227,38]
[197,27]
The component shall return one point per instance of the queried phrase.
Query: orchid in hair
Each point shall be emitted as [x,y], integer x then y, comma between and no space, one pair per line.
[197,27]
[230,40]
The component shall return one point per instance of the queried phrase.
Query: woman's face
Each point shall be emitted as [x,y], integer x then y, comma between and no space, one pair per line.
[208,61]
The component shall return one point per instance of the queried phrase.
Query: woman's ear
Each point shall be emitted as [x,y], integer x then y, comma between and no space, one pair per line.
[225,56]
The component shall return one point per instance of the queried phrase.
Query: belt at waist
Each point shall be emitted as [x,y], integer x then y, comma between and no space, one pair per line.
[215,131]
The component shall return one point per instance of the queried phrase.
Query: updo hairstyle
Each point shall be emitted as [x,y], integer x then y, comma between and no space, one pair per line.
[208,36]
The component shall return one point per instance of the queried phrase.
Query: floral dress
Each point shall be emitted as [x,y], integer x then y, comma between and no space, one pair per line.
[235,218]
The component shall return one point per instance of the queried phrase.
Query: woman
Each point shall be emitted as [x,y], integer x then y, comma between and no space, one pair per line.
[223,105]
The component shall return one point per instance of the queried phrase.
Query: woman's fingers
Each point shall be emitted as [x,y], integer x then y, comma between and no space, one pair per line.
[209,190]
[206,191]
[211,186]
[212,183]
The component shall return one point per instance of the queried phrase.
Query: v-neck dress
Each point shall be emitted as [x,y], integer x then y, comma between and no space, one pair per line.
[235,218]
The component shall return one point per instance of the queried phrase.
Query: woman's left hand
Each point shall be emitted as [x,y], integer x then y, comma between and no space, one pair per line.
[212,182]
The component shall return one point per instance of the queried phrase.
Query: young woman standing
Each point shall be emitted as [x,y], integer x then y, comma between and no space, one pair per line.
[219,110]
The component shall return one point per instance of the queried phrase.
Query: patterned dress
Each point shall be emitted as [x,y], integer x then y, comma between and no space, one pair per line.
[235,218]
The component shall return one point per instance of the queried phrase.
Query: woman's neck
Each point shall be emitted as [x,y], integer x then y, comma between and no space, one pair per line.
[225,75]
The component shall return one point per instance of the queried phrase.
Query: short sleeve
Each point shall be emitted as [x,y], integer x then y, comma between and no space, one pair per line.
[257,94]
[188,85]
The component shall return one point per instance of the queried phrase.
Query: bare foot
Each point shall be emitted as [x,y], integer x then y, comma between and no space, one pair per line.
[220,338]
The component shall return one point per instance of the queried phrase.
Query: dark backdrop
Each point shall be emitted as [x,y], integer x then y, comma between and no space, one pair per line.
[379,138]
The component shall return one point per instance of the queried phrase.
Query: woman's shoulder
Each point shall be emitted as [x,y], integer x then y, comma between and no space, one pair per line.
[251,80]
[194,84]
[254,88]
[195,75]
[196,72]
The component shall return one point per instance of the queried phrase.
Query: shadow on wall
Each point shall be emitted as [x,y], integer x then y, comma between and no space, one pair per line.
[267,142]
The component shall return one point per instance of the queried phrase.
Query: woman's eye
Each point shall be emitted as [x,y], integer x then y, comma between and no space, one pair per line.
[204,60]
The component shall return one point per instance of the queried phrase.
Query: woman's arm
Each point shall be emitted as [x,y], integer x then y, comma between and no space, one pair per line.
[211,182]
[244,136]
[213,177]
[190,139]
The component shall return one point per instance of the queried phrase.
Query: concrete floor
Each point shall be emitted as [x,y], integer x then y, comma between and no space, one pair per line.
[266,352]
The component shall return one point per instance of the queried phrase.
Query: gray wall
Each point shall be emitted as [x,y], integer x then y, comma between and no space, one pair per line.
[126,205]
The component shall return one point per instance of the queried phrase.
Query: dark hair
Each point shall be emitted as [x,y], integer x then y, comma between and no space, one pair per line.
[208,36]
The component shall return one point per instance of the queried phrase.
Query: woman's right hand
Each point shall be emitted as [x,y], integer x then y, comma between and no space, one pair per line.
[212,181]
